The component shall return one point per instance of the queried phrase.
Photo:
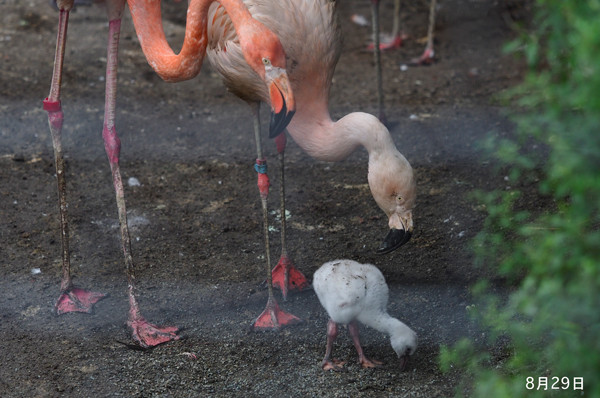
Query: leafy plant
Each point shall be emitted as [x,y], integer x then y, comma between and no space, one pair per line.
[550,322]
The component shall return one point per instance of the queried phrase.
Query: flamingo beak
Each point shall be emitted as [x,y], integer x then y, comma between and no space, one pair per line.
[400,232]
[283,106]
[393,240]
[403,362]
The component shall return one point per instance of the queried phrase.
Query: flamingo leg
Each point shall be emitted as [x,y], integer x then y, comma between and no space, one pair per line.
[396,23]
[362,359]
[285,275]
[393,40]
[377,55]
[328,363]
[272,317]
[428,55]
[71,299]
[143,332]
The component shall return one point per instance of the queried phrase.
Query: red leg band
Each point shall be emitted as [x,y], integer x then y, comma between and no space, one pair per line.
[280,142]
[52,106]
[263,179]
[112,144]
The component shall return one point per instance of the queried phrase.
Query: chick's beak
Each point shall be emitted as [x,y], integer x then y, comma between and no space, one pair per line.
[283,106]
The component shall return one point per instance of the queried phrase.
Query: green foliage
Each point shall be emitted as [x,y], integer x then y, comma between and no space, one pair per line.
[551,256]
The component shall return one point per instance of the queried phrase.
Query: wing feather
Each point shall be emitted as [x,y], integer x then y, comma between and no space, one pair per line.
[308,31]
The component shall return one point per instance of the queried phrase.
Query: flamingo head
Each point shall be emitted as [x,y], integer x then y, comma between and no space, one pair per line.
[264,53]
[404,343]
[393,187]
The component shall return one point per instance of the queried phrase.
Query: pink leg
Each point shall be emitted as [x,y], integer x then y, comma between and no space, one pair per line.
[428,55]
[394,40]
[389,43]
[328,363]
[362,359]
[144,333]
[71,299]
[285,275]
[272,317]
[377,55]
[426,58]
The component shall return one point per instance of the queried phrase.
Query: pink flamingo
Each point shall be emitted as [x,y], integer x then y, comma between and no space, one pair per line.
[310,34]
[263,52]
[394,41]
[428,54]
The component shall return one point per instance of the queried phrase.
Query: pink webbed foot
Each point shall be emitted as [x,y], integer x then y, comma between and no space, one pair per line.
[370,363]
[388,42]
[287,277]
[273,318]
[425,59]
[77,300]
[148,335]
[333,364]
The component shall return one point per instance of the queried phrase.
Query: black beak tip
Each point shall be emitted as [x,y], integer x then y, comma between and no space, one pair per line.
[393,240]
[403,362]
[279,121]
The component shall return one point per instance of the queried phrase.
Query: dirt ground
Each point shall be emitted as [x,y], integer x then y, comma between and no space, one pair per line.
[195,218]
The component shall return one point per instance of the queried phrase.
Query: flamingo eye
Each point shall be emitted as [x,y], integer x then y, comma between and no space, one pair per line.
[399,198]
[266,61]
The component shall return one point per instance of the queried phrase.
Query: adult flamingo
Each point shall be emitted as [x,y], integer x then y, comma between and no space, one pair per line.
[393,41]
[395,38]
[310,34]
[261,49]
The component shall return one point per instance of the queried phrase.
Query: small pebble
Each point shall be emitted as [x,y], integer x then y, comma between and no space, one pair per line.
[359,20]
[133,182]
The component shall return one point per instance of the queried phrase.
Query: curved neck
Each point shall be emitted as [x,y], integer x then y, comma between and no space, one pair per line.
[146,15]
[318,135]
[384,323]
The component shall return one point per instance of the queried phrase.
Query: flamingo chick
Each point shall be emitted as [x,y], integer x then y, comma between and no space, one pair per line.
[350,292]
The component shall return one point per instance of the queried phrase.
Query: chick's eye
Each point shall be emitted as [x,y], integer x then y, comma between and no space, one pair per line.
[266,61]
[399,198]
